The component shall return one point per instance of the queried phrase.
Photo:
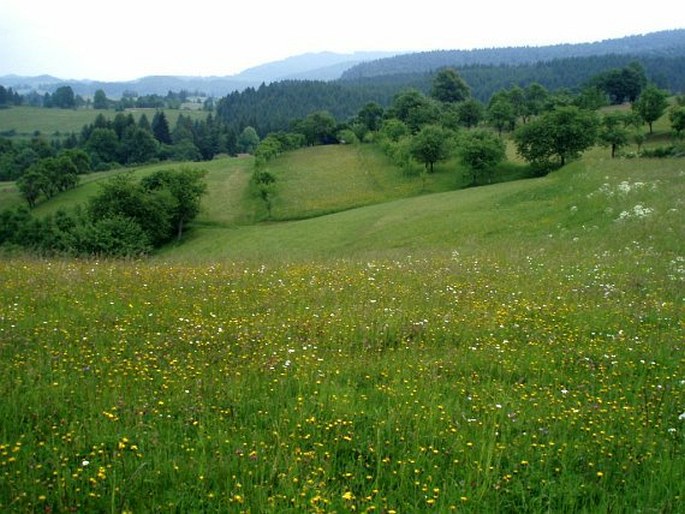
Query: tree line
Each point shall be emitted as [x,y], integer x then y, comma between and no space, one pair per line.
[113,142]
[9,97]
[273,107]
[64,98]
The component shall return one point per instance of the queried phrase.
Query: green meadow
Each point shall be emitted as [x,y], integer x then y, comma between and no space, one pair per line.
[380,343]
[24,121]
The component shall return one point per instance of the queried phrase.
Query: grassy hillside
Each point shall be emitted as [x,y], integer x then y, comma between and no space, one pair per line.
[23,122]
[579,204]
[310,182]
[320,191]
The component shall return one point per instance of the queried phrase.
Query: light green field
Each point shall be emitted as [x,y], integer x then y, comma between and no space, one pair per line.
[516,347]
[25,121]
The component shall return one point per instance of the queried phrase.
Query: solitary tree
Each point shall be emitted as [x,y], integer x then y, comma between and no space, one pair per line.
[622,84]
[481,151]
[651,105]
[677,117]
[100,100]
[268,149]
[265,186]
[562,133]
[612,132]
[431,145]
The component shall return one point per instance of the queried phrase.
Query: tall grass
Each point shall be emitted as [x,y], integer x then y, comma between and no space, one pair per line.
[477,383]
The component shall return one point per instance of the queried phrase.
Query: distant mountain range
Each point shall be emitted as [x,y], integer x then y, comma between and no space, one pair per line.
[328,66]
[310,66]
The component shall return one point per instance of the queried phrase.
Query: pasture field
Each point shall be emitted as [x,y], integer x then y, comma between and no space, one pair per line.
[510,348]
[316,181]
[24,121]
[451,382]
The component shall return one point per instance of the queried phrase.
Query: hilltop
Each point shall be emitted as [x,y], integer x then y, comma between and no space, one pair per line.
[667,44]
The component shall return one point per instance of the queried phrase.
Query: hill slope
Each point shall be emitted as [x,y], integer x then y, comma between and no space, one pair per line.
[592,203]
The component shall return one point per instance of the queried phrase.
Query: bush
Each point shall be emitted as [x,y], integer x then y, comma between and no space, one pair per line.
[117,236]
[659,152]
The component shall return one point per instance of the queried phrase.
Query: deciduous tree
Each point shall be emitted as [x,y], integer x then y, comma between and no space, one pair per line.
[186,185]
[100,100]
[562,133]
[501,113]
[123,197]
[63,97]
[481,151]
[30,185]
[651,105]
[449,87]
[677,117]
[318,128]
[432,144]
[248,140]
[470,112]
[103,146]
[613,131]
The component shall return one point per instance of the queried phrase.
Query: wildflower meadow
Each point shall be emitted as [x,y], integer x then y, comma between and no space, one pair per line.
[445,382]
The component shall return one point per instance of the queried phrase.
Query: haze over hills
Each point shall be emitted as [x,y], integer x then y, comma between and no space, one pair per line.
[329,66]
[309,66]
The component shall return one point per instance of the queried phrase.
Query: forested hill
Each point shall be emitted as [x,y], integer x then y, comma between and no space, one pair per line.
[275,106]
[665,44]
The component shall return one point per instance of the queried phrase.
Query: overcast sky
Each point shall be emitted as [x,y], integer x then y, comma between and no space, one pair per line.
[128,39]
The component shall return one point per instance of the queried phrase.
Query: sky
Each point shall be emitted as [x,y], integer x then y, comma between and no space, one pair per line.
[129,39]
